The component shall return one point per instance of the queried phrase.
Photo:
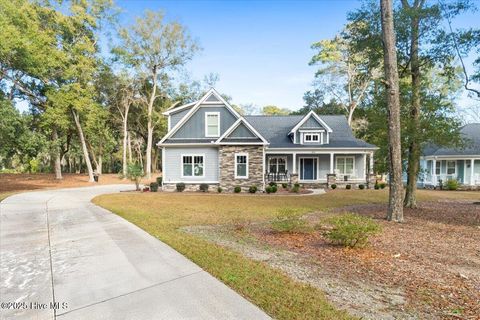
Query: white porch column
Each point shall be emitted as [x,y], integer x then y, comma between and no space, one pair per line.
[371,163]
[434,172]
[331,162]
[472,171]
[365,172]
[294,163]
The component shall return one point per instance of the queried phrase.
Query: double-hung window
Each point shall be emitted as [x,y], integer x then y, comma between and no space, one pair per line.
[345,165]
[451,167]
[212,124]
[438,166]
[192,166]
[277,165]
[241,165]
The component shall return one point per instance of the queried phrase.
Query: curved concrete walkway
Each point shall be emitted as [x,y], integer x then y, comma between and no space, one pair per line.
[57,247]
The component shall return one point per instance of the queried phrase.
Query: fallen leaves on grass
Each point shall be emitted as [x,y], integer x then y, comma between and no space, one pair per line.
[434,256]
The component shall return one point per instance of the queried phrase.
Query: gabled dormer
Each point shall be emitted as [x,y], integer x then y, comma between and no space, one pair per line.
[311,130]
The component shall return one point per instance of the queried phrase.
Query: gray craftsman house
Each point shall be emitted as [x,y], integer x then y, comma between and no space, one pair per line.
[440,164]
[209,142]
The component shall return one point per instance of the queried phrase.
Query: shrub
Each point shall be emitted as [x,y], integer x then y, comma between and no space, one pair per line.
[180,186]
[268,189]
[361,186]
[297,185]
[348,186]
[272,183]
[376,186]
[135,173]
[289,221]
[284,185]
[237,189]
[382,185]
[274,189]
[204,187]
[352,230]
[296,189]
[159,180]
[154,186]
[252,189]
[333,186]
[219,189]
[451,184]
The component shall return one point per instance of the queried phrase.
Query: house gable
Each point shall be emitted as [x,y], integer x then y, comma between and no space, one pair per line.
[241,132]
[311,123]
[311,130]
[193,124]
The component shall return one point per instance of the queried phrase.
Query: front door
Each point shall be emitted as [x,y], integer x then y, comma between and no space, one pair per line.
[308,169]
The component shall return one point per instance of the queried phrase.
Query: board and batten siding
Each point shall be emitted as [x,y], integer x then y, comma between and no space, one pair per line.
[173,164]
[194,128]
[177,116]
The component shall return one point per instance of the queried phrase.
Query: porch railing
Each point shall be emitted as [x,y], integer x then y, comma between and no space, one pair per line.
[277,176]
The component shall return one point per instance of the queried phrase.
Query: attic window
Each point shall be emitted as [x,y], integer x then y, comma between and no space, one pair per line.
[312,137]
[212,124]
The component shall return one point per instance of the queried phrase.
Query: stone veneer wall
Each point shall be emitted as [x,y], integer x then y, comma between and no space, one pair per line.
[227,167]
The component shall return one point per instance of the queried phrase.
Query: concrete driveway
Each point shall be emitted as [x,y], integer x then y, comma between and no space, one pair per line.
[63,257]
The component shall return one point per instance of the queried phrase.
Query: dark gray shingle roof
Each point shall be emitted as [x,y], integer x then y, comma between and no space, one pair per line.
[471,136]
[276,129]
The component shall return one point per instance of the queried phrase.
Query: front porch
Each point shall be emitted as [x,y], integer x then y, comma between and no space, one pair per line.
[317,168]
[440,170]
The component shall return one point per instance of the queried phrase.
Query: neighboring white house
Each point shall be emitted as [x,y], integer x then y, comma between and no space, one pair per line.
[461,164]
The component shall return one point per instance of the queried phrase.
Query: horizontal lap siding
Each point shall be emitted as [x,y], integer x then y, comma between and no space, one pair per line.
[173,163]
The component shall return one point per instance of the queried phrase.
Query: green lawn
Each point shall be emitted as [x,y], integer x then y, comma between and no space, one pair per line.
[161,214]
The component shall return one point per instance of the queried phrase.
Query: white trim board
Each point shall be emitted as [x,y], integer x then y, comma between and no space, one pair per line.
[178,109]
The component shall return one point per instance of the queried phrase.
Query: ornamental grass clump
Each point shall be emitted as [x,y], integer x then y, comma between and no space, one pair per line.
[352,230]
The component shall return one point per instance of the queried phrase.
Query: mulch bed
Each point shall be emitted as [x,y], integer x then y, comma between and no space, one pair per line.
[434,256]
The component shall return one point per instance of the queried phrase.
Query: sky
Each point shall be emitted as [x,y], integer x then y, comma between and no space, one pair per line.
[259,49]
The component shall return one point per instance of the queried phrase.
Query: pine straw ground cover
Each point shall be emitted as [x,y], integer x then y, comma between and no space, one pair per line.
[283,296]
[434,257]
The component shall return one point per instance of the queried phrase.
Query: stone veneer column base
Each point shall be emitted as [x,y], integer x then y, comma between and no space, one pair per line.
[227,167]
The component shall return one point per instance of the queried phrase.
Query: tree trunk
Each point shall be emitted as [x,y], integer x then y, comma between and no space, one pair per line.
[414,123]
[100,164]
[350,116]
[125,138]
[129,147]
[395,207]
[57,163]
[86,156]
[148,169]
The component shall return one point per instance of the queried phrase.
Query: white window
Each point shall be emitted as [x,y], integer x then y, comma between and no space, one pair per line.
[212,124]
[192,166]
[451,167]
[277,165]
[241,165]
[311,137]
[345,165]
[438,165]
